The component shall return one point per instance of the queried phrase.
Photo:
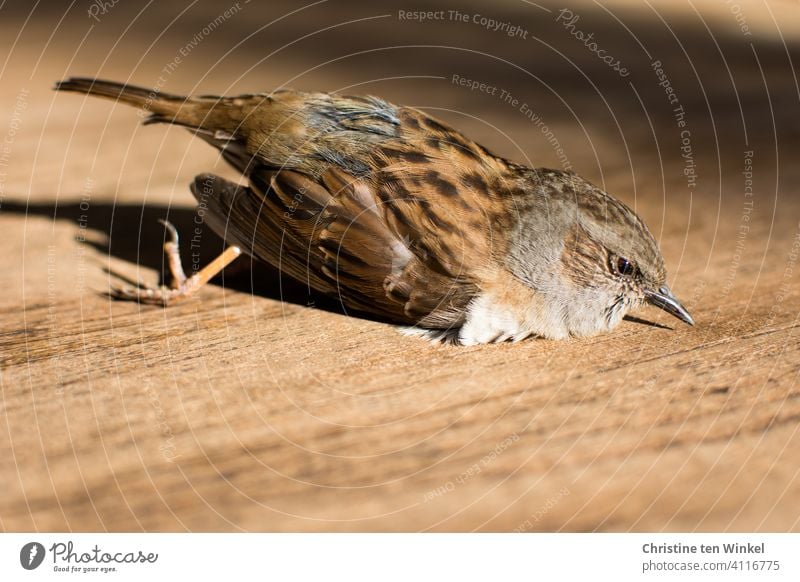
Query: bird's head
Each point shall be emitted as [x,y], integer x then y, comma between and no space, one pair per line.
[597,260]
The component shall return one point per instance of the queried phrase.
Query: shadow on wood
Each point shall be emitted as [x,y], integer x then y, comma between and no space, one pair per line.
[135,235]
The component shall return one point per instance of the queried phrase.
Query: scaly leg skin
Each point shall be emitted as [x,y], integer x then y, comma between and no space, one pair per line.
[180,286]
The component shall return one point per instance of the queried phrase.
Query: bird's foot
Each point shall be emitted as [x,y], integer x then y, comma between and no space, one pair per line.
[179,285]
[161,295]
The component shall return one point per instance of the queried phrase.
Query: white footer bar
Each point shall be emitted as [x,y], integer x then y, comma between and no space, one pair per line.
[401,557]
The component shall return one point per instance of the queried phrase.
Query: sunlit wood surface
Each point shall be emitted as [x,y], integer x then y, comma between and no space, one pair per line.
[237,411]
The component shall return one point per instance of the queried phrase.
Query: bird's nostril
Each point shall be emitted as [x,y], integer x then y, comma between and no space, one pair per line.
[664,290]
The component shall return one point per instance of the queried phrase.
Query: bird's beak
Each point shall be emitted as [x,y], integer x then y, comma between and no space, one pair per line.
[664,299]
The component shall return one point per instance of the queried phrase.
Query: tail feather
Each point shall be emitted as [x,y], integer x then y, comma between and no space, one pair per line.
[163,107]
[150,100]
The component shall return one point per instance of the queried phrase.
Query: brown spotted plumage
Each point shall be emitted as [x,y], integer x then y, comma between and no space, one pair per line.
[401,216]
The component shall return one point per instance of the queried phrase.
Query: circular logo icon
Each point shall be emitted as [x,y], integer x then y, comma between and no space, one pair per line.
[31,555]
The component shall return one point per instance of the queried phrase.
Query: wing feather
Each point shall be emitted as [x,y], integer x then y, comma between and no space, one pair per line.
[331,235]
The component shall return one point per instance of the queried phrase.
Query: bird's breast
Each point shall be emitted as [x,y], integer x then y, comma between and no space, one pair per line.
[507,309]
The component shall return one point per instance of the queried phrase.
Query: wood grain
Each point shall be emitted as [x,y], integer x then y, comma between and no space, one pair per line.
[239,411]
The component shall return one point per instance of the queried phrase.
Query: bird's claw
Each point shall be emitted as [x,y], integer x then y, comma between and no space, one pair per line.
[180,285]
[163,296]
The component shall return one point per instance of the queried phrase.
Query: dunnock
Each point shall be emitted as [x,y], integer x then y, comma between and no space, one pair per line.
[400,216]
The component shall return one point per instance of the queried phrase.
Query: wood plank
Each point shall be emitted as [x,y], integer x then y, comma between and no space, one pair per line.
[239,411]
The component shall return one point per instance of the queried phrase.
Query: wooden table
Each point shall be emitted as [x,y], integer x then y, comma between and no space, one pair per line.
[239,411]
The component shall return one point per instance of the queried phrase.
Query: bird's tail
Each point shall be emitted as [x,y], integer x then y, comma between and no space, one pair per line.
[193,112]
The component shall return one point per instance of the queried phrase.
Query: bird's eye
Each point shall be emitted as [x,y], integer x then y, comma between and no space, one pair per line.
[623,266]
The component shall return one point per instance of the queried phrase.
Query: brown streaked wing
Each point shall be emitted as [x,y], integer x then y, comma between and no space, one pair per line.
[332,235]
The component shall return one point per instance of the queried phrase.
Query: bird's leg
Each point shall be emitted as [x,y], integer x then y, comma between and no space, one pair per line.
[180,286]
[172,252]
